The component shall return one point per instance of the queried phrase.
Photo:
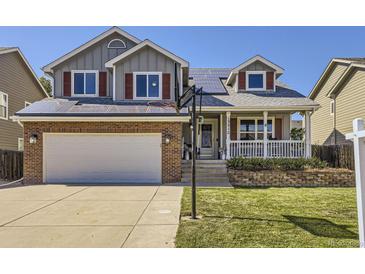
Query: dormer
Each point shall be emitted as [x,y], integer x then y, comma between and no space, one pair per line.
[255,74]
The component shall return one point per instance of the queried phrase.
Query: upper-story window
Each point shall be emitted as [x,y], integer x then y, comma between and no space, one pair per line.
[85,82]
[116,44]
[4,106]
[147,85]
[332,107]
[256,80]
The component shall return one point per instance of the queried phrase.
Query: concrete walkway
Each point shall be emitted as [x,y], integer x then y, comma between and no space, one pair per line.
[89,216]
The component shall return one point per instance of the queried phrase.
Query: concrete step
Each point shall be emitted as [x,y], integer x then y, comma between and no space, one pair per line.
[198,165]
[205,161]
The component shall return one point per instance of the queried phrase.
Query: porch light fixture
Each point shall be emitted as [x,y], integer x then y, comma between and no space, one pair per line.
[33,139]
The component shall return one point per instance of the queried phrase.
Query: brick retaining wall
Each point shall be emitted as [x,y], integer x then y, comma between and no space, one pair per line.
[329,177]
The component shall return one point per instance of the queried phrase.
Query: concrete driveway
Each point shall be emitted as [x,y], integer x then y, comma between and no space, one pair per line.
[89,216]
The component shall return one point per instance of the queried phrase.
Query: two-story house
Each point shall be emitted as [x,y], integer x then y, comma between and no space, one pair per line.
[340,92]
[114,117]
[19,87]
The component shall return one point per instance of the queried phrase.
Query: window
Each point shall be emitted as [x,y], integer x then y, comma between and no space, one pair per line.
[147,85]
[332,107]
[20,144]
[256,80]
[116,44]
[4,106]
[26,104]
[253,129]
[85,83]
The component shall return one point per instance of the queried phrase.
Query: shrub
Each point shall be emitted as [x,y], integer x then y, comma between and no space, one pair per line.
[256,164]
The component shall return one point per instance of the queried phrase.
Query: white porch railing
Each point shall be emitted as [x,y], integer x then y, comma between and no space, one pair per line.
[275,149]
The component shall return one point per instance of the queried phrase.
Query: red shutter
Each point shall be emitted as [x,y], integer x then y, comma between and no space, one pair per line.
[233,128]
[66,83]
[102,83]
[242,80]
[166,87]
[129,86]
[270,80]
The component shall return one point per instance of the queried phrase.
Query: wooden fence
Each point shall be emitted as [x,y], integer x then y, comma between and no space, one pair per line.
[339,156]
[11,165]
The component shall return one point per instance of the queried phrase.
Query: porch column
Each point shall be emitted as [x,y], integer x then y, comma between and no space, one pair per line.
[228,135]
[307,138]
[265,134]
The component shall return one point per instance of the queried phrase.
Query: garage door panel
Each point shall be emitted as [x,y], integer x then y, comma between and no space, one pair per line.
[74,158]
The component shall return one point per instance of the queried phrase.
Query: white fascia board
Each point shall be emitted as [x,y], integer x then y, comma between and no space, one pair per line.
[279,70]
[184,119]
[10,50]
[146,42]
[48,68]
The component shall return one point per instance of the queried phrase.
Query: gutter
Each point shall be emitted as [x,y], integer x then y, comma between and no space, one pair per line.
[28,118]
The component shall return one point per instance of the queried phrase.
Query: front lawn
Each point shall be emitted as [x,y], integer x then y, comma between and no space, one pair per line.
[271,217]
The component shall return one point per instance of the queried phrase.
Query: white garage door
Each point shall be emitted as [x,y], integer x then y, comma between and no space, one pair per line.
[102,158]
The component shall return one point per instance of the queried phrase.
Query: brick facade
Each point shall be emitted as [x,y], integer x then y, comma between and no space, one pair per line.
[330,177]
[171,152]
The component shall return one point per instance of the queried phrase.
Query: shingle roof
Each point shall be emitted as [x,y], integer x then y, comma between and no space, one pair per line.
[210,78]
[98,107]
[219,94]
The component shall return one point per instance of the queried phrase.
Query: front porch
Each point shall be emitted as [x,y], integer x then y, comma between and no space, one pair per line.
[224,135]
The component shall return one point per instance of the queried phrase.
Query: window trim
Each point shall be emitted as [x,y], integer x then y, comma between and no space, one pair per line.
[96,83]
[256,118]
[263,73]
[135,85]
[7,106]
[117,39]
[332,107]
[18,144]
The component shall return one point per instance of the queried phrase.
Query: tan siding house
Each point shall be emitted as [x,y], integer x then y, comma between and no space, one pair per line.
[340,93]
[18,87]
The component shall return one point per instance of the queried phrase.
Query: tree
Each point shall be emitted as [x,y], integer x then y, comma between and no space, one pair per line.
[297,133]
[46,84]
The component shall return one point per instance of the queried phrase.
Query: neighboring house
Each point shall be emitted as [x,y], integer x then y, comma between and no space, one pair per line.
[297,124]
[19,87]
[113,118]
[340,93]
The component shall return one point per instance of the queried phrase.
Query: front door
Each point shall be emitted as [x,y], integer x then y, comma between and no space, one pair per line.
[208,139]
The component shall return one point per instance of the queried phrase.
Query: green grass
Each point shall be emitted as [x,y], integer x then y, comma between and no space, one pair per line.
[271,217]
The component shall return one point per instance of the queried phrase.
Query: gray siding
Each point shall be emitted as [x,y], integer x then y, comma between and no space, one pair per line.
[18,82]
[93,58]
[146,59]
[257,66]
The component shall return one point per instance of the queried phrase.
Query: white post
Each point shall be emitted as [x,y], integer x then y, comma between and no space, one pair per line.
[358,138]
[228,135]
[265,134]
[307,138]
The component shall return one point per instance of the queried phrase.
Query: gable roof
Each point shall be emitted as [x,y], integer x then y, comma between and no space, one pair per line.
[48,68]
[5,50]
[336,88]
[279,70]
[350,62]
[141,45]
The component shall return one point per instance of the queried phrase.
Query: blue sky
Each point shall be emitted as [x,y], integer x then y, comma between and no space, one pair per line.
[302,51]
